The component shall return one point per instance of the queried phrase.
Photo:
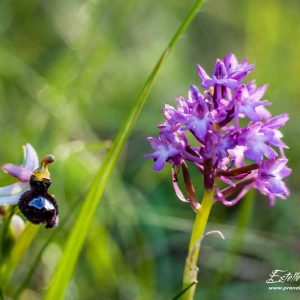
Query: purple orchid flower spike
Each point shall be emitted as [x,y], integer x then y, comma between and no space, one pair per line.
[224,148]
[11,194]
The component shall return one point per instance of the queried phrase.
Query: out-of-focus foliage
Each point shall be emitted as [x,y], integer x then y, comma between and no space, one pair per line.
[69,71]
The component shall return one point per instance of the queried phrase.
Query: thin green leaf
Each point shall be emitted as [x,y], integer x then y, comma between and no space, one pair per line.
[18,251]
[184,291]
[63,272]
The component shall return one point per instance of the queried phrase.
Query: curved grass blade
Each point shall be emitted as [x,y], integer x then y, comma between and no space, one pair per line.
[63,272]
[184,291]
[18,251]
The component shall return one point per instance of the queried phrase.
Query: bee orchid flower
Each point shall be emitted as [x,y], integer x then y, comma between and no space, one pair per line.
[31,192]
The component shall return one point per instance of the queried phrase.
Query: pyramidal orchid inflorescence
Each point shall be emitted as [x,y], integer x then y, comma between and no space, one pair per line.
[238,141]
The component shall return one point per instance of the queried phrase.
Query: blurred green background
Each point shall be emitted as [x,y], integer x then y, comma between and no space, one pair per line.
[69,72]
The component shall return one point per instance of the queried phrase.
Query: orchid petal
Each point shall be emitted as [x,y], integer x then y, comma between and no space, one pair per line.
[20,172]
[257,95]
[11,194]
[31,160]
[230,62]
[202,74]
[237,198]
[177,188]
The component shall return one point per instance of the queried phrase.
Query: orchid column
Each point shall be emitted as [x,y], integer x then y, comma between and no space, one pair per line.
[241,157]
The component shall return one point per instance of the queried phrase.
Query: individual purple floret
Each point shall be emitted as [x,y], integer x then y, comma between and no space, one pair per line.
[241,157]
[167,147]
[269,180]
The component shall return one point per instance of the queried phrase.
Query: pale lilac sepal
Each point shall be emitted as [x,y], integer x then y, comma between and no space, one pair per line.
[24,171]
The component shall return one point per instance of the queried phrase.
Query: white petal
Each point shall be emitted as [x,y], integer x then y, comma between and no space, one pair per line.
[9,200]
[31,160]
[11,194]
[14,189]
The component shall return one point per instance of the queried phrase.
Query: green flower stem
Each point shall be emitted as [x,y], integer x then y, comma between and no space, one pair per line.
[191,269]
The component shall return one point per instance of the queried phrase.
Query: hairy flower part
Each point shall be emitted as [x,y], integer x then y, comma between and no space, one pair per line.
[10,194]
[251,156]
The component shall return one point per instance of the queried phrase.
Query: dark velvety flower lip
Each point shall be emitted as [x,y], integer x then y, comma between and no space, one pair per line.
[220,147]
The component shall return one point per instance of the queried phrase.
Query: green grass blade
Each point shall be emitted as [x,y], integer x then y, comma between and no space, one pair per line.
[18,251]
[66,265]
[181,293]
